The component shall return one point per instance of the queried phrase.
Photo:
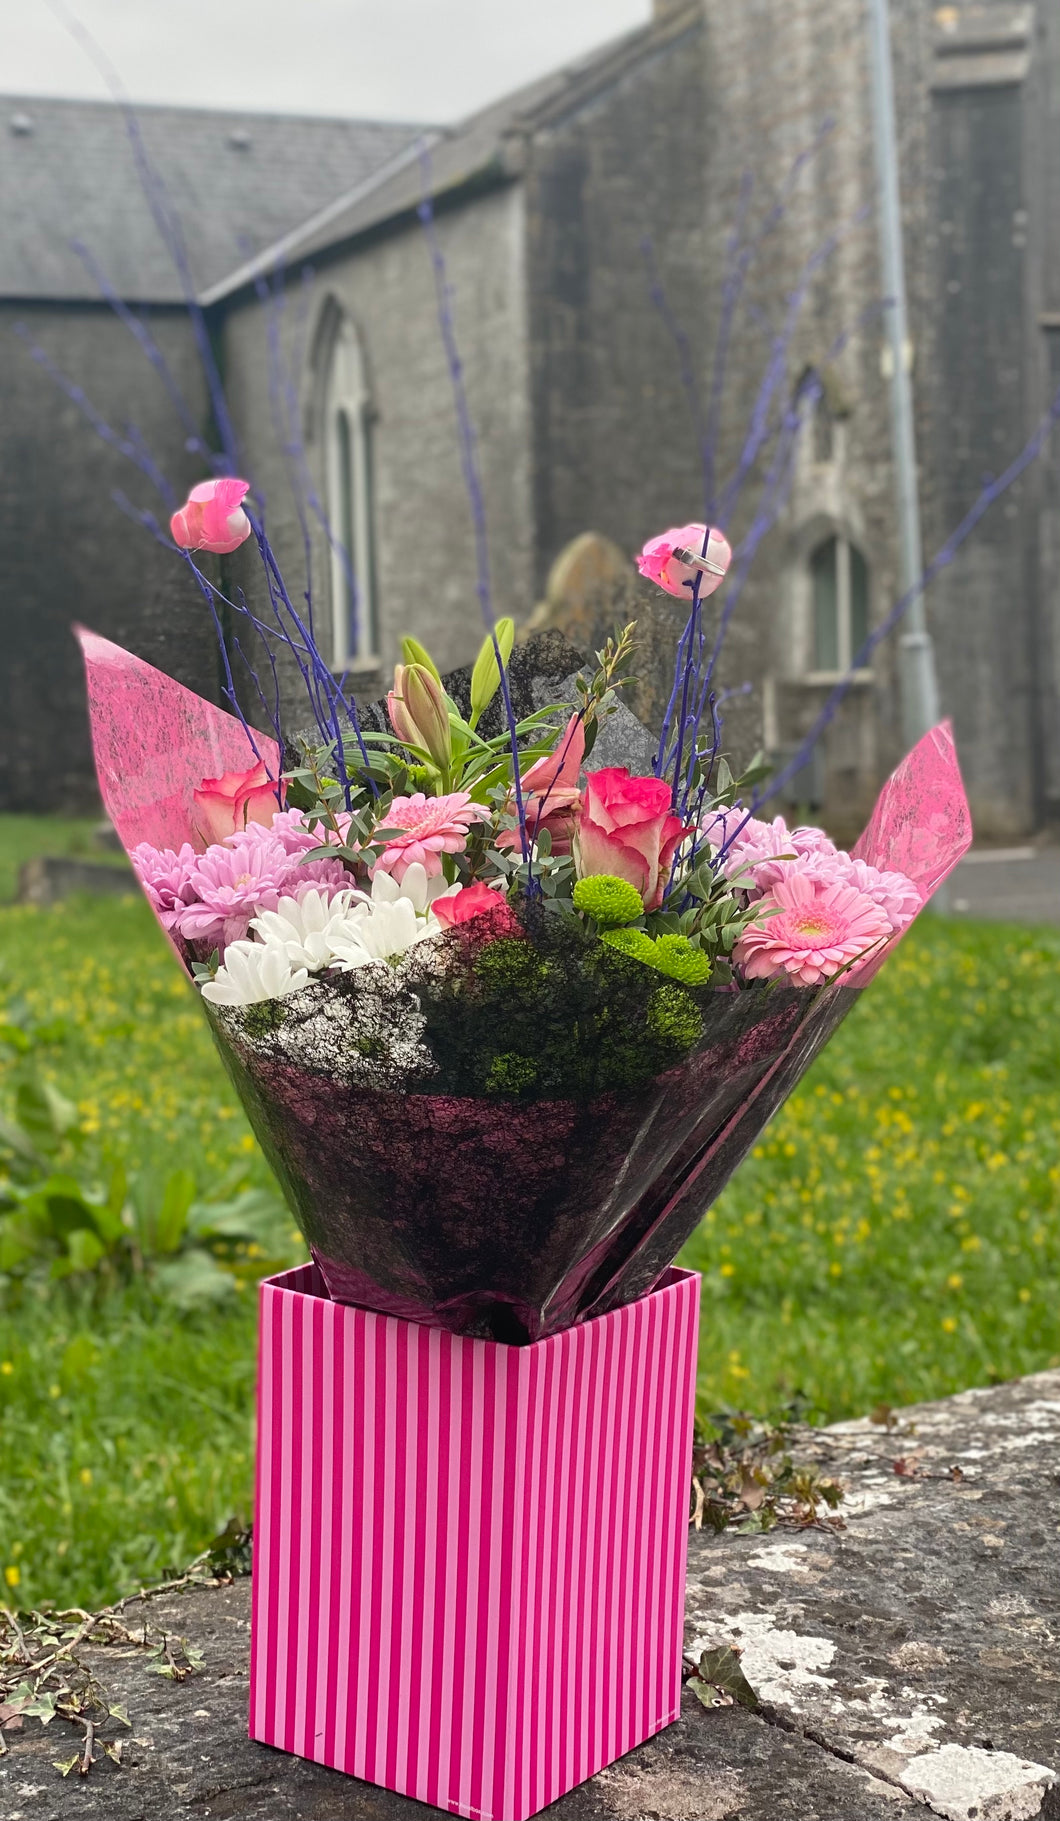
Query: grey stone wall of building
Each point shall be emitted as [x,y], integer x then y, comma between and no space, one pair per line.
[617,178]
[791,152]
[66,550]
[425,542]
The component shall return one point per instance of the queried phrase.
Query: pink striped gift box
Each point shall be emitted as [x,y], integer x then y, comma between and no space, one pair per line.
[469,1558]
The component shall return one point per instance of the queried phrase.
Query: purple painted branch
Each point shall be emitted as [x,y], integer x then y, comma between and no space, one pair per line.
[472,482]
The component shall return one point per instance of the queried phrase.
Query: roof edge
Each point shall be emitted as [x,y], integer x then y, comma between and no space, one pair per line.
[500,157]
[274,255]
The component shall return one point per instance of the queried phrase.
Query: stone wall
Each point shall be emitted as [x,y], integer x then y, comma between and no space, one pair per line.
[616,171]
[68,553]
[425,542]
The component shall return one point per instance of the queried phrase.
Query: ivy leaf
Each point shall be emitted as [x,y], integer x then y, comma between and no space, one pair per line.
[66,1765]
[719,1681]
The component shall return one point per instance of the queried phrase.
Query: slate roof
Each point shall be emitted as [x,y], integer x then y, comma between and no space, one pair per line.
[488,147]
[240,182]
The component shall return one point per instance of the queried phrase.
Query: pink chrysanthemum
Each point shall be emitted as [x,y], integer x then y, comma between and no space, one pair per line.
[757,847]
[819,927]
[896,895]
[431,827]
[166,879]
[231,885]
[290,831]
[288,827]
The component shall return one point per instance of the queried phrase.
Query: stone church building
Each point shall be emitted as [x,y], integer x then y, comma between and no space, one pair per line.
[580,220]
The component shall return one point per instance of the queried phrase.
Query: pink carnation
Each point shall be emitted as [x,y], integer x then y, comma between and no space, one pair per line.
[166,879]
[231,885]
[819,926]
[431,827]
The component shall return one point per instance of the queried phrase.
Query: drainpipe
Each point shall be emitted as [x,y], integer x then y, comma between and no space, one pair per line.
[918,681]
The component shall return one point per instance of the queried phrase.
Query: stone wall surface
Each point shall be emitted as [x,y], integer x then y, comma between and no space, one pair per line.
[425,540]
[616,189]
[904,1662]
[67,552]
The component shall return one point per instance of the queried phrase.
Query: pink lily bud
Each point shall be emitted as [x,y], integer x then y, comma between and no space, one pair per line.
[400,719]
[419,712]
[661,560]
[212,517]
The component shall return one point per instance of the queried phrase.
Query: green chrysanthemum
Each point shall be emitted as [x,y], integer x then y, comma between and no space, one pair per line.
[607,900]
[682,960]
[675,956]
[632,942]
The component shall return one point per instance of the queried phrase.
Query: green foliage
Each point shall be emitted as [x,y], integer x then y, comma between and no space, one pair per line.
[609,901]
[486,676]
[412,652]
[674,1018]
[597,693]
[55,1224]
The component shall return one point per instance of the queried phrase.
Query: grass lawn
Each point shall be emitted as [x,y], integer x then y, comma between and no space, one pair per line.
[23,837]
[896,1234]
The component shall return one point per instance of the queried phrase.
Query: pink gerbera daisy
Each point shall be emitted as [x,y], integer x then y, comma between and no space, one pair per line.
[430,827]
[896,895]
[818,926]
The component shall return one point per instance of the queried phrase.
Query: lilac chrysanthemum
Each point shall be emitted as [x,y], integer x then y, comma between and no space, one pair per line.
[166,879]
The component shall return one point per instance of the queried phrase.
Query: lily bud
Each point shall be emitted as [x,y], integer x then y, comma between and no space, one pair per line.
[400,719]
[419,712]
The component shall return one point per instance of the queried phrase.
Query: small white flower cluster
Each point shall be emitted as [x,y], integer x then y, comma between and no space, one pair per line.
[304,936]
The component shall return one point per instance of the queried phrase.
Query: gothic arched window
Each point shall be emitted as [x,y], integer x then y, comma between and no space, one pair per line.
[840,592]
[351,508]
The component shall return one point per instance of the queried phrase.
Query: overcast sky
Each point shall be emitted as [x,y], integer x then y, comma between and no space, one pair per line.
[430,60]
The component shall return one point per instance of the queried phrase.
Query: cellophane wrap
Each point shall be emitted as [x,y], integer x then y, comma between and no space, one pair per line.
[515,1127]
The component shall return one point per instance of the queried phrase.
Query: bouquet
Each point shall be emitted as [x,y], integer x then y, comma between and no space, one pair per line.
[503,1021]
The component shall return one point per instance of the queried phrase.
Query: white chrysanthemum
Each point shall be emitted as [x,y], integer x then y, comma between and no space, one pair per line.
[415,885]
[379,932]
[252,971]
[307,927]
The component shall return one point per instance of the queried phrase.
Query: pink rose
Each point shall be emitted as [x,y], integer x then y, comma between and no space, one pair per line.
[627,829]
[212,517]
[658,562]
[224,806]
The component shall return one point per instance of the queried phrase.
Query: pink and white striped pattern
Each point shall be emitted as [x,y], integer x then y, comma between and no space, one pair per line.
[469,1559]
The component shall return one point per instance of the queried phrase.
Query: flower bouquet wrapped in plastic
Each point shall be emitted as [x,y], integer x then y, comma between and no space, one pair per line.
[504,1023]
